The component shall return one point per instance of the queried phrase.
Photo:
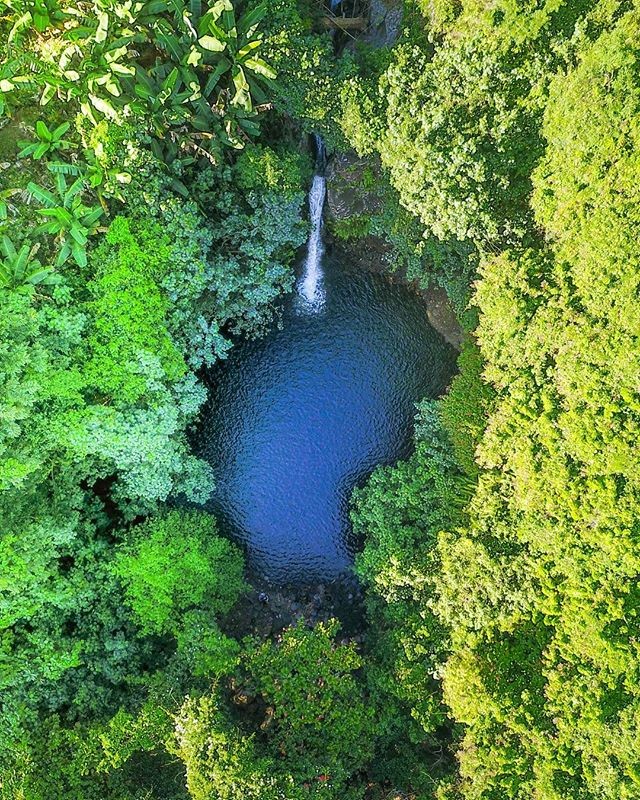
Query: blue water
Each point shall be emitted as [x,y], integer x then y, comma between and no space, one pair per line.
[296,419]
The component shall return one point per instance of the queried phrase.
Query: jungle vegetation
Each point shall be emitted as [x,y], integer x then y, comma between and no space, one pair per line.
[153,177]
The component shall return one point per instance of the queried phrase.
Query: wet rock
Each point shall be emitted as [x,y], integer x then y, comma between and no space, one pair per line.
[442,316]
[352,193]
[288,605]
[351,188]
[385,23]
[242,698]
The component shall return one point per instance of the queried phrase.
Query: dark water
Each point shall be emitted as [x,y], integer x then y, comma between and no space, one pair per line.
[296,419]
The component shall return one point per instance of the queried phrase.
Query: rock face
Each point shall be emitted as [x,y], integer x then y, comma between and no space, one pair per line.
[442,316]
[384,24]
[351,193]
[385,20]
[348,176]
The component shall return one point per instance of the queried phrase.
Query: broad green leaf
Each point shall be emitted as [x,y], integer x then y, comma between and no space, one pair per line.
[112,87]
[22,22]
[40,21]
[261,68]
[48,93]
[63,254]
[252,18]
[61,130]
[94,215]
[103,106]
[78,234]
[28,148]
[194,57]
[7,247]
[222,66]
[248,48]
[64,168]
[21,261]
[242,96]
[153,8]
[212,44]
[79,254]
[45,276]
[41,195]
[48,227]
[103,27]
[40,150]
[172,45]
[43,133]
[249,125]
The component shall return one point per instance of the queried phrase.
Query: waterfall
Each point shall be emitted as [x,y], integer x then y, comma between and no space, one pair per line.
[310,285]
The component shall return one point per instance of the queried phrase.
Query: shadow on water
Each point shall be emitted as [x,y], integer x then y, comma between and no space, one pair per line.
[298,418]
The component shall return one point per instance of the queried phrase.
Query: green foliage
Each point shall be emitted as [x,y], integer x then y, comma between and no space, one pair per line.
[176,562]
[465,407]
[309,74]
[586,196]
[41,14]
[21,267]
[399,513]
[256,231]
[219,760]
[459,129]
[41,382]
[233,47]
[129,311]
[48,141]
[120,759]
[499,561]
[363,105]
[188,74]
[440,14]
[66,643]
[315,733]
[263,169]
[539,591]
[320,719]
[70,220]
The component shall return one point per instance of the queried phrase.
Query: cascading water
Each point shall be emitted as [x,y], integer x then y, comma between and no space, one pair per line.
[310,286]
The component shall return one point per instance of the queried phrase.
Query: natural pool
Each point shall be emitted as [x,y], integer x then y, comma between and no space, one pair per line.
[296,419]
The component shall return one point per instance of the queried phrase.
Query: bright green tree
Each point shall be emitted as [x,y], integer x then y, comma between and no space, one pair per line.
[176,562]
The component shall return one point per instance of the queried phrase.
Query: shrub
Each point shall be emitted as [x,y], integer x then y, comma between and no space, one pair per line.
[175,562]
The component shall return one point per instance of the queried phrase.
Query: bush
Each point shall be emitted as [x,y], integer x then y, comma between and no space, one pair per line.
[466,406]
[399,513]
[538,590]
[311,735]
[129,313]
[176,562]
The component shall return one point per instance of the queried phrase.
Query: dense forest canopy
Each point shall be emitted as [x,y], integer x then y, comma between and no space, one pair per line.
[154,168]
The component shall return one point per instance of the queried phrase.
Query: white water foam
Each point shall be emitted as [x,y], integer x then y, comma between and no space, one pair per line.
[310,286]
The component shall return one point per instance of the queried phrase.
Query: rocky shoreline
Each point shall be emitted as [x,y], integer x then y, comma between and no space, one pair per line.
[267,609]
[352,193]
